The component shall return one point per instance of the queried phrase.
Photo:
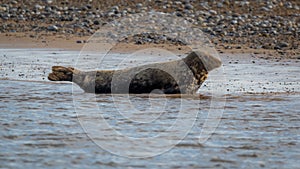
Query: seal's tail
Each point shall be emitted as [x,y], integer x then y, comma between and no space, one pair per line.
[60,73]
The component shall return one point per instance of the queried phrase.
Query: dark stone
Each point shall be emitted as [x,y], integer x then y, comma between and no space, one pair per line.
[282,45]
[52,28]
[96,22]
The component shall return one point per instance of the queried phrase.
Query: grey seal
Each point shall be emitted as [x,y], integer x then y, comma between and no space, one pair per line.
[183,76]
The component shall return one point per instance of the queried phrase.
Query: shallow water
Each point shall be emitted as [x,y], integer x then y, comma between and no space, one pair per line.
[40,126]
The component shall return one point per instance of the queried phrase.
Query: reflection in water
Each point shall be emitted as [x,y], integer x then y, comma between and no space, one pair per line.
[40,128]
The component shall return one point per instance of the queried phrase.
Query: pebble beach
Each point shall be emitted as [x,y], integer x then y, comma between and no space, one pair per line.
[258,26]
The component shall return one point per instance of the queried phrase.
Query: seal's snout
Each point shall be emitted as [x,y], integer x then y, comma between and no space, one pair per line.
[60,73]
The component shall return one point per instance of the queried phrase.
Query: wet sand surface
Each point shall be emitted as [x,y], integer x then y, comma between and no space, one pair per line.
[40,128]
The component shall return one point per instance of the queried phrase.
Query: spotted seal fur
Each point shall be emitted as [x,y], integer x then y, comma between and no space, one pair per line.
[175,77]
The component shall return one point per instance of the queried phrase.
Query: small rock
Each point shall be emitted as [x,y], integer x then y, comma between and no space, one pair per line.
[220,5]
[244,3]
[52,28]
[234,22]
[39,7]
[21,17]
[200,19]
[14,2]
[179,14]
[188,7]
[6,16]
[139,5]
[48,9]
[213,12]
[96,22]
[111,14]
[265,9]
[49,1]
[115,9]
[89,6]
[205,5]
[282,45]
[289,5]
[2,9]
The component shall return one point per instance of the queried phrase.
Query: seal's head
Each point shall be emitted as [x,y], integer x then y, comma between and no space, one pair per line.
[200,63]
[60,73]
[198,60]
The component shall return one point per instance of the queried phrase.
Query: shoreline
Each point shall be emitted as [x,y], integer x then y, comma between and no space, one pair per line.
[22,40]
[76,43]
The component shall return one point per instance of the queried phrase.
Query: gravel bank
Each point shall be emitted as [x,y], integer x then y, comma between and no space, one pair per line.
[231,25]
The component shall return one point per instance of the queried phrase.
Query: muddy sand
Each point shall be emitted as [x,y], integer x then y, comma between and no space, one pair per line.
[77,43]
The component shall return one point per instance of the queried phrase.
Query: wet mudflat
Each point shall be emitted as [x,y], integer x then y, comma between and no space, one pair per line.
[40,127]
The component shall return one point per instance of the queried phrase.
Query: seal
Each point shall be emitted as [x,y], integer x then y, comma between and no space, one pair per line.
[183,76]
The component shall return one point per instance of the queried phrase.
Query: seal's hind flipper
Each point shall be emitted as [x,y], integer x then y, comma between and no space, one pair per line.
[60,73]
